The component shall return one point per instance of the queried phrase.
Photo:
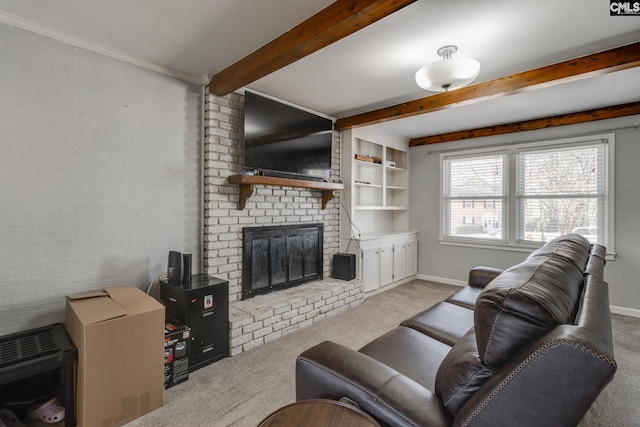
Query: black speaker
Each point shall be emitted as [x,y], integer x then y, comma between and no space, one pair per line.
[186,268]
[344,266]
[174,267]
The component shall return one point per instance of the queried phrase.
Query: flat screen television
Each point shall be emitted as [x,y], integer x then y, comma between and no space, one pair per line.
[285,141]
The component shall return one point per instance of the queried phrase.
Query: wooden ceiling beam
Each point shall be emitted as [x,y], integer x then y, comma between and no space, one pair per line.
[336,21]
[607,61]
[623,110]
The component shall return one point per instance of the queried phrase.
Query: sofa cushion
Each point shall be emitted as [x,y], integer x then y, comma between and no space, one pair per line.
[444,321]
[409,352]
[465,297]
[461,374]
[524,302]
[595,265]
[480,276]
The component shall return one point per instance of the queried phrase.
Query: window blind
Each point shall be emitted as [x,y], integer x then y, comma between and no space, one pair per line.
[474,196]
[561,190]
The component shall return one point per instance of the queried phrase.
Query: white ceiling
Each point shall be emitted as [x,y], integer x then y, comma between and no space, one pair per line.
[373,67]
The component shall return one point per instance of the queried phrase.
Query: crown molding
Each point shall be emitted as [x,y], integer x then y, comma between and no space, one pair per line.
[61,36]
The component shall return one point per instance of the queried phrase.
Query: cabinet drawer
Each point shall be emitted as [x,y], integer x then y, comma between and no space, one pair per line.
[207,305]
[206,301]
[209,343]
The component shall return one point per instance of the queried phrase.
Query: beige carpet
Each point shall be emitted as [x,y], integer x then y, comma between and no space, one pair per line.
[242,390]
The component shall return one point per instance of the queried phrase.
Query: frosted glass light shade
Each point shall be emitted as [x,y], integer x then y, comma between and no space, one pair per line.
[447,74]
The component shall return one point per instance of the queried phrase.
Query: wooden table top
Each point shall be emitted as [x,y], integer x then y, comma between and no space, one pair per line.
[319,413]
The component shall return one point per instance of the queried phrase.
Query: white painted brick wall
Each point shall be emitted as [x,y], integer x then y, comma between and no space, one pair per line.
[267,206]
[266,317]
[250,324]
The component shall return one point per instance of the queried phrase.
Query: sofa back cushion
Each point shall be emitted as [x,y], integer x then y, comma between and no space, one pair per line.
[461,374]
[530,298]
[573,247]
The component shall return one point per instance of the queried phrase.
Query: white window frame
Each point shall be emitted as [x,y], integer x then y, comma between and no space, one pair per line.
[509,239]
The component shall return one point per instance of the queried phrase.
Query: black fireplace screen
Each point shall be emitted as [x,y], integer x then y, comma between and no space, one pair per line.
[280,256]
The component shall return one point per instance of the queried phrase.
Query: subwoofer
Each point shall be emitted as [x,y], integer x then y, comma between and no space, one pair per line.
[344,266]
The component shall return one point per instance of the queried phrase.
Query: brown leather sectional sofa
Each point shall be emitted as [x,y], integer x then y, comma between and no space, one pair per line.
[527,346]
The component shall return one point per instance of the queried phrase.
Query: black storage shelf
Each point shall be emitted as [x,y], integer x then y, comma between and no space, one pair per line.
[36,351]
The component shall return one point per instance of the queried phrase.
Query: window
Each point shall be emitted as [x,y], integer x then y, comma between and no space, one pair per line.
[470,179]
[529,193]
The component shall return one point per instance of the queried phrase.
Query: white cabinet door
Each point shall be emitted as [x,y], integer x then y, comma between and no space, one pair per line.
[370,269]
[412,258]
[385,261]
[386,265]
[399,261]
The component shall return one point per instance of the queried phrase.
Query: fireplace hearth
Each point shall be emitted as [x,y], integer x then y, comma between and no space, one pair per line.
[279,257]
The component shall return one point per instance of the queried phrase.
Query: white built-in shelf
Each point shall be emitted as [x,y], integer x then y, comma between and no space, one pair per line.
[368,208]
[367,164]
[376,193]
[366,184]
[395,169]
[369,235]
[379,208]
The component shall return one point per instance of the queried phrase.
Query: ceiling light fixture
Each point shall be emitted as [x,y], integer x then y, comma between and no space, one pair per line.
[448,73]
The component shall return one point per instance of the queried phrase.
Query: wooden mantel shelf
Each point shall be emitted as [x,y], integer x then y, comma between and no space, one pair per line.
[246,183]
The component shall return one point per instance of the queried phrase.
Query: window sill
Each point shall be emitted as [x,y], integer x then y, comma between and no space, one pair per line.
[525,248]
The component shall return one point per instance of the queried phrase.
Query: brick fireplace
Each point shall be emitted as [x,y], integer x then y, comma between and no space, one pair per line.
[268,206]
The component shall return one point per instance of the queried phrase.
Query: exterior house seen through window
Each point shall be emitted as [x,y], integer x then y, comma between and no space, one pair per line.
[527,194]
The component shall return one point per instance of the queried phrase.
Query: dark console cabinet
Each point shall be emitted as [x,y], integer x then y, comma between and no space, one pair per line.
[203,305]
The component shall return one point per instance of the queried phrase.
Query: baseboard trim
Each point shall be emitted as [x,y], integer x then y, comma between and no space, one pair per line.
[390,286]
[614,308]
[624,311]
[444,280]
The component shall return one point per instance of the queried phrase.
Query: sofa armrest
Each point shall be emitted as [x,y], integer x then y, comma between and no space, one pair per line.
[551,381]
[332,371]
[480,276]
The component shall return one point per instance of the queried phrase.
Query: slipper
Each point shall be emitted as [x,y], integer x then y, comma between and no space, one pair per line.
[50,412]
[9,419]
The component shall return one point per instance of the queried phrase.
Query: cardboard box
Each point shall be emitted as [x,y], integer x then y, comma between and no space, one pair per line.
[118,333]
[176,353]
